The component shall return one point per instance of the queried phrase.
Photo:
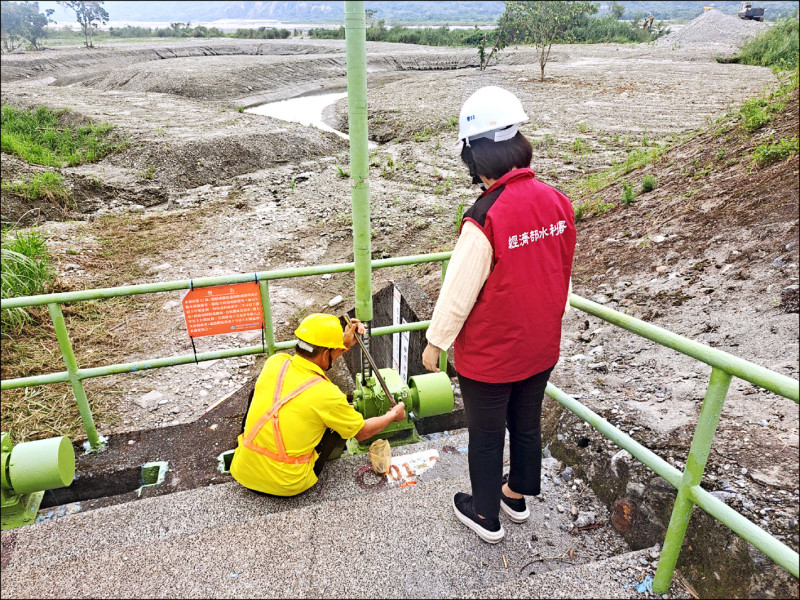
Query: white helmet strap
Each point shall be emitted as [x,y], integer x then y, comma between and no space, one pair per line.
[497,135]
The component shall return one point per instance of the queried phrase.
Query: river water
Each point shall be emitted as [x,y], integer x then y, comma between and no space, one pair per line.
[306,110]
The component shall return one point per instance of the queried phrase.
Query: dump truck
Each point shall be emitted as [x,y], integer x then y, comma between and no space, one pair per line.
[749,13]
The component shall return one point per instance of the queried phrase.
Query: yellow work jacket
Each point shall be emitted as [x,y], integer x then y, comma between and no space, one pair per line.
[302,422]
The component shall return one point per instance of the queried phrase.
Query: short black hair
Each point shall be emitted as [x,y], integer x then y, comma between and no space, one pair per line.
[494,159]
[315,352]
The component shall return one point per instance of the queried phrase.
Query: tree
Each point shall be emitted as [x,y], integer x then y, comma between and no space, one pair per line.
[500,41]
[88,15]
[544,22]
[23,21]
[617,10]
[10,19]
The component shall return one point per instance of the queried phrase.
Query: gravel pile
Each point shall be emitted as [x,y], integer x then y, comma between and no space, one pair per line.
[713,27]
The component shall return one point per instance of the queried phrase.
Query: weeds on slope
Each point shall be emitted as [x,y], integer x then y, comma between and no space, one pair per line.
[41,186]
[776,48]
[26,270]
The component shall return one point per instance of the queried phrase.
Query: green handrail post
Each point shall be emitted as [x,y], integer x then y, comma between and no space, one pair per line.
[695,465]
[269,332]
[443,353]
[356,49]
[72,368]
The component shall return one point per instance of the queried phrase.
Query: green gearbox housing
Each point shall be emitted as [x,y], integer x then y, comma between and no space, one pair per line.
[27,470]
[424,396]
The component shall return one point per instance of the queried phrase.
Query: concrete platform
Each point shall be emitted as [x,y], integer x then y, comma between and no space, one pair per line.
[350,536]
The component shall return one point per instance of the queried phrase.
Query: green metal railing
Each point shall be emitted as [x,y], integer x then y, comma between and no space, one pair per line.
[75,375]
[724,367]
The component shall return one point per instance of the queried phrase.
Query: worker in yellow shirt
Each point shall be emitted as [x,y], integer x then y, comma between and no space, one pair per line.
[297,417]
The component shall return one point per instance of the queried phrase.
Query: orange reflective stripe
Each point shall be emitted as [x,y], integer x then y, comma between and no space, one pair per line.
[282,402]
[249,437]
[279,402]
[292,460]
[279,385]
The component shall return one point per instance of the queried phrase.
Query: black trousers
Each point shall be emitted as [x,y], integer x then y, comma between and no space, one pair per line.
[490,408]
[330,441]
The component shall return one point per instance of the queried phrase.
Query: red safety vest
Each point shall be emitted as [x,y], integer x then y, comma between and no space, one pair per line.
[278,402]
[514,329]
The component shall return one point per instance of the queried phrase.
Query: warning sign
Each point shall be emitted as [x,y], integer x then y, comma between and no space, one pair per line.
[223,309]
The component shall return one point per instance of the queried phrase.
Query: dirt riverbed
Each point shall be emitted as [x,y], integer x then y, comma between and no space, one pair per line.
[220,191]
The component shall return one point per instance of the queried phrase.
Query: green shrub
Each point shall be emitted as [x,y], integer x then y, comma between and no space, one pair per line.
[45,137]
[628,195]
[26,270]
[777,47]
[769,153]
[262,33]
[649,183]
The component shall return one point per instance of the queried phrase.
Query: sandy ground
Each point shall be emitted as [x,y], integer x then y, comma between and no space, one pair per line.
[237,193]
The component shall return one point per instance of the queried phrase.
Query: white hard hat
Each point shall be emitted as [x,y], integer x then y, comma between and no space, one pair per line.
[488,112]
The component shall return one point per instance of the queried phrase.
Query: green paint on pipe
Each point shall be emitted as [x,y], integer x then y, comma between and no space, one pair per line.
[356,48]
[185,284]
[41,465]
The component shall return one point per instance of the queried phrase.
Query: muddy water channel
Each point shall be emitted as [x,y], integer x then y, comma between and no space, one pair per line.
[306,110]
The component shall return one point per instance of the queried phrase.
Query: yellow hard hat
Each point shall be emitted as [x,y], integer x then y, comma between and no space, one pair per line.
[323,330]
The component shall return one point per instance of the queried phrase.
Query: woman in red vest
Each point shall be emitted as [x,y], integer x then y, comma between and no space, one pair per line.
[502,301]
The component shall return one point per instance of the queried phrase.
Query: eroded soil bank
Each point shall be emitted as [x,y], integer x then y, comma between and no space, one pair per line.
[204,189]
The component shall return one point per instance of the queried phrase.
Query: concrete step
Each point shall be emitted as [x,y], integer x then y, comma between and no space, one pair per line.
[339,539]
[184,512]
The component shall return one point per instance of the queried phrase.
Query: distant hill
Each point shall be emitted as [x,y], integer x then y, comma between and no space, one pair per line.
[291,12]
[392,12]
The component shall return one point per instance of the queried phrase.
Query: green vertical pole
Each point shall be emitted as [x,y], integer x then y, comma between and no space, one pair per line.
[695,465]
[443,354]
[356,46]
[269,332]
[72,369]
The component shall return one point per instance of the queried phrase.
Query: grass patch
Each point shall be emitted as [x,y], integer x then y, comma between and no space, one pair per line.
[580,147]
[459,216]
[757,112]
[27,270]
[46,411]
[45,136]
[638,157]
[772,152]
[148,173]
[102,332]
[47,186]
[424,135]
[591,208]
